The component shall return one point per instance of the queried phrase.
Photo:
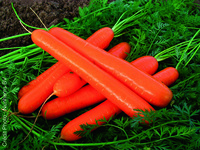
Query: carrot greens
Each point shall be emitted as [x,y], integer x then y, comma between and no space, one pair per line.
[167,30]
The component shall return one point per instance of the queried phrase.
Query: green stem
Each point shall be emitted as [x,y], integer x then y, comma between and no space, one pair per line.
[186,49]
[9,48]
[119,26]
[111,125]
[17,51]
[21,19]
[115,142]
[30,124]
[198,46]
[171,51]
[25,126]
[14,36]
[18,57]
[181,82]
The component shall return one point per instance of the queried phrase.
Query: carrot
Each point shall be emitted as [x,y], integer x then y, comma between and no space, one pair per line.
[87,95]
[147,64]
[141,83]
[164,75]
[102,81]
[106,110]
[34,98]
[71,82]
[68,84]
[84,97]
[59,70]
[102,38]
[105,34]
[34,82]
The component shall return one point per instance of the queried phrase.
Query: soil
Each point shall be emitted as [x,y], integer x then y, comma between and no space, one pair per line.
[50,11]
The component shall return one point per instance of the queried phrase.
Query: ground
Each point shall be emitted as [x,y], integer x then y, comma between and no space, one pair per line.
[50,11]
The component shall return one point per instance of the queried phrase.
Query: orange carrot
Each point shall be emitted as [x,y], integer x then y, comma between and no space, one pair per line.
[100,38]
[147,64]
[164,75]
[144,85]
[34,98]
[105,110]
[39,79]
[71,82]
[68,84]
[58,70]
[87,95]
[102,81]
[82,98]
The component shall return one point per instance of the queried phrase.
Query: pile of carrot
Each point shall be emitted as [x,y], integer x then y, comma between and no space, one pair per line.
[86,74]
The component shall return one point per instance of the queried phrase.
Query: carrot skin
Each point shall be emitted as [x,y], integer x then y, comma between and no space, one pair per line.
[34,98]
[106,36]
[104,110]
[84,97]
[36,81]
[63,105]
[103,82]
[148,64]
[68,84]
[56,70]
[154,92]
[107,109]
[163,75]
[71,82]
[102,38]
[120,50]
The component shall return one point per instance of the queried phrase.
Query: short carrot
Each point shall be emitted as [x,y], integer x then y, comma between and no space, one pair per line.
[71,82]
[39,79]
[34,98]
[102,81]
[68,84]
[164,75]
[87,95]
[105,110]
[84,97]
[146,63]
[141,83]
[100,38]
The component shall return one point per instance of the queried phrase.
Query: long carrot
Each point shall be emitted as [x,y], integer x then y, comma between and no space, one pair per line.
[141,83]
[102,81]
[87,95]
[100,38]
[106,110]
[71,82]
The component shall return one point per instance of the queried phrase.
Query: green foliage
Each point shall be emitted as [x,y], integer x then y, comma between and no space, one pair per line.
[167,30]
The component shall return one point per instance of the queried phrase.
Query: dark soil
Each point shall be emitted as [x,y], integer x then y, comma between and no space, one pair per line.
[50,11]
